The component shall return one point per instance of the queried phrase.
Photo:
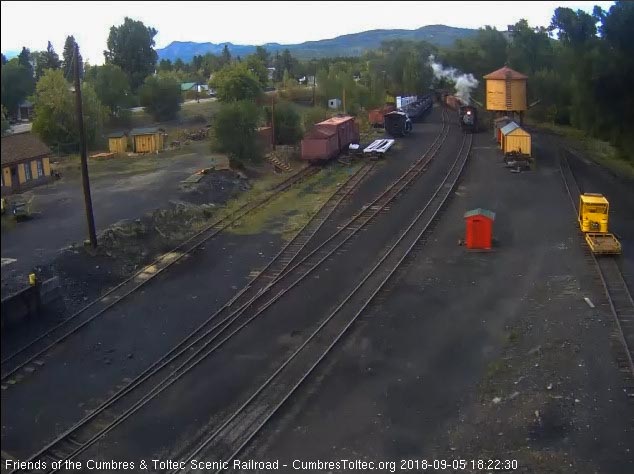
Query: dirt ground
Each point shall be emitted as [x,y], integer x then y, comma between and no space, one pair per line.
[476,356]
[122,189]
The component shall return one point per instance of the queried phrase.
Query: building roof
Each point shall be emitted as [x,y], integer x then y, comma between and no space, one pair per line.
[117,134]
[509,127]
[505,72]
[144,131]
[514,129]
[480,212]
[185,86]
[22,146]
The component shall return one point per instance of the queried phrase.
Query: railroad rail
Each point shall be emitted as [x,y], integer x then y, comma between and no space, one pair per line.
[30,354]
[195,347]
[616,290]
[230,438]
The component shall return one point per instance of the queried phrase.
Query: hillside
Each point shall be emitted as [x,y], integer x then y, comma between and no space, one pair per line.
[346,45]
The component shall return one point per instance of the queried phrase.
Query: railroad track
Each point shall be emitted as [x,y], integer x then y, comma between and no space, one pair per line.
[232,317]
[618,295]
[225,442]
[27,358]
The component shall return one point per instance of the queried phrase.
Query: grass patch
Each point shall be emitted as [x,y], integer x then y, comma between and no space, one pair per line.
[597,150]
[289,212]
[512,337]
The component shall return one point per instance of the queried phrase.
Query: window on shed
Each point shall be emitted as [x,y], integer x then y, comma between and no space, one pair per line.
[27,172]
[40,169]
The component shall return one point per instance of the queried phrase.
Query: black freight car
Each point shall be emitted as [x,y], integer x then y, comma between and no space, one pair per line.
[397,124]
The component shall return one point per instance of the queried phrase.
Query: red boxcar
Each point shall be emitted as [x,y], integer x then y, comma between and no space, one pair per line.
[329,138]
[453,102]
[376,116]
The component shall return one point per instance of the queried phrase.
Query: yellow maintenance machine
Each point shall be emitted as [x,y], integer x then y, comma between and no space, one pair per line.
[593,220]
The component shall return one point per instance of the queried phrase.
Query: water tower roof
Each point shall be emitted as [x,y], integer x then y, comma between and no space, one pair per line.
[505,72]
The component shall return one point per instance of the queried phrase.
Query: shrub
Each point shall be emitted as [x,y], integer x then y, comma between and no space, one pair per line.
[235,132]
[161,97]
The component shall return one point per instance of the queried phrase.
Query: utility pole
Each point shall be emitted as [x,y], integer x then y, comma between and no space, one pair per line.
[273,121]
[314,83]
[84,159]
[344,100]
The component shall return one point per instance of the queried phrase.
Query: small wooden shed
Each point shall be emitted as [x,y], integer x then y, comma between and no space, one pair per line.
[147,140]
[515,139]
[118,142]
[479,229]
[498,124]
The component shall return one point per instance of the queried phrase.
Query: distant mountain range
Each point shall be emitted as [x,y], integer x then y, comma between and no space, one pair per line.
[347,45]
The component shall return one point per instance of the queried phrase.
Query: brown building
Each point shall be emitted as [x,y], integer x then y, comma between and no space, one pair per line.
[25,162]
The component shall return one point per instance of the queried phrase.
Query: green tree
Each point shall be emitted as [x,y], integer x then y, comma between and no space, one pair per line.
[197,62]
[111,85]
[50,58]
[235,83]
[225,58]
[25,59]
[131,47]
[55,114]
[161,97]
[67,58]
[258,67]
[235,131]
[5,122]
[45,60]
[165,65]
[179,65]
[288,124]
[530,48]
[263,55]
[17,85]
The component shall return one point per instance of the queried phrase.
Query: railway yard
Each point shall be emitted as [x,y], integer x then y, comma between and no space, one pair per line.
[371,334]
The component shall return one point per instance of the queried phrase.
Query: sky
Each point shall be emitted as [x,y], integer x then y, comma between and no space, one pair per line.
[33,24]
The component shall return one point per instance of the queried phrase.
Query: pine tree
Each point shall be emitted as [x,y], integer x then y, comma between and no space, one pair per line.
[67,55]
[226,55]
[25,59]
[51,58]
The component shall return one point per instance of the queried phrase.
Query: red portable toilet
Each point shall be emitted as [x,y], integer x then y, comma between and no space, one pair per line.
[479,232]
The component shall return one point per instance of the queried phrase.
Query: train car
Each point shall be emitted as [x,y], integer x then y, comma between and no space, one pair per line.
[453,102]
[327,139]
[398,124]
[416,110]
[376,116]
[468,117]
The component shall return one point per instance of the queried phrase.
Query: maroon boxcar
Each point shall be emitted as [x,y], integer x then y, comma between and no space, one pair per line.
[376,116]
[329,138]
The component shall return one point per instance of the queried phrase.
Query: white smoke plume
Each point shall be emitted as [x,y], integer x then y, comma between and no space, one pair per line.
[464,83]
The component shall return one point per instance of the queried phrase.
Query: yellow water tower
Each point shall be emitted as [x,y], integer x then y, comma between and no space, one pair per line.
[506,91]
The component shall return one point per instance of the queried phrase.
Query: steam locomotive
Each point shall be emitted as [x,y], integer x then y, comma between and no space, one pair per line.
[468,118]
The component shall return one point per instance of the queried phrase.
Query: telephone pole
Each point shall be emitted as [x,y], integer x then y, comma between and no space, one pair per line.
[273,122]
[84,159]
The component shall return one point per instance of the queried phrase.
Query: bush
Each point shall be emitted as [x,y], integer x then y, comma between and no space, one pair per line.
[161,97]
[235,132]
[288,124]
[313,116]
